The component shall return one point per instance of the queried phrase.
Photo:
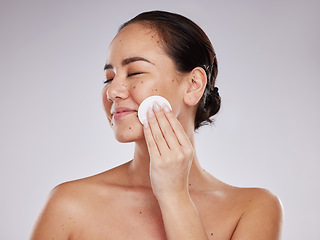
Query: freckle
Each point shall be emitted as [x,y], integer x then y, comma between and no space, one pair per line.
[130,128]
[189,184]
[156,89]
[141,81]
[134,87]
[140,212]
[211,234]
[158,41]
[172,80]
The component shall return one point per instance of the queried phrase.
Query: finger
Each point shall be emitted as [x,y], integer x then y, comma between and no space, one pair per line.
[151,144]
[156,133]
[166,128]
[177,128]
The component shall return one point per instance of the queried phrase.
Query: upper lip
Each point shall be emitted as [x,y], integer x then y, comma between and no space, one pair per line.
[122,109]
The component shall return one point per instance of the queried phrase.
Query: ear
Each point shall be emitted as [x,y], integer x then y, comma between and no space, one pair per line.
[197,81]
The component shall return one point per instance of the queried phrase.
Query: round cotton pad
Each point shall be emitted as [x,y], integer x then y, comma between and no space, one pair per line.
[148,102]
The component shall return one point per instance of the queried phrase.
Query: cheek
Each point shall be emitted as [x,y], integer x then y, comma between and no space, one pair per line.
[143,89]
[140,90]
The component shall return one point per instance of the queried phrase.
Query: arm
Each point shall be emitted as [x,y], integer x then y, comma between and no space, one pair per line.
[181,219]
[171,155]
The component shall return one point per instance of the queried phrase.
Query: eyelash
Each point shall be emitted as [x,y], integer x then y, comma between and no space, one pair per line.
[108,80]
[129,75]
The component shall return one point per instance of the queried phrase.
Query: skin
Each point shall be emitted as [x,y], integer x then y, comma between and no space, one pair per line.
[163,193]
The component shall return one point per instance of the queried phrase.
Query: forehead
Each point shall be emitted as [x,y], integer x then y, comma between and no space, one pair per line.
[137,30]
[134,40]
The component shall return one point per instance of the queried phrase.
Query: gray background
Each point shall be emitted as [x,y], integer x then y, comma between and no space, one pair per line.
[53,128]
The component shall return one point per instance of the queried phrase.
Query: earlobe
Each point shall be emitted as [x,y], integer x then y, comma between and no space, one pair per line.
[197,80]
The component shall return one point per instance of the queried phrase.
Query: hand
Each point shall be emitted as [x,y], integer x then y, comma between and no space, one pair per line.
[171,153]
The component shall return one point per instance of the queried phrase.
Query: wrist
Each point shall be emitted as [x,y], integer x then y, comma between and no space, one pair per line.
[174,200]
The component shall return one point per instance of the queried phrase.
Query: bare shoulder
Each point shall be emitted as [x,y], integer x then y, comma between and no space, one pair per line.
[258,198]
[77,193]
[262,215]
[58,214]
[70,202]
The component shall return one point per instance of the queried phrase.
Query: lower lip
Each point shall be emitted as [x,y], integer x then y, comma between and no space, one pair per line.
[117,116]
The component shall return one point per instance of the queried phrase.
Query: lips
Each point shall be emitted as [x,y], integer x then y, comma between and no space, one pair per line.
[120,112]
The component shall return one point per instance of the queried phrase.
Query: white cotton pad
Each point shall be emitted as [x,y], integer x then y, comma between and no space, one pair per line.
[148,102]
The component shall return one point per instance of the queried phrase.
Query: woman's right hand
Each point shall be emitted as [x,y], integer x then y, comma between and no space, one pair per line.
[171,153]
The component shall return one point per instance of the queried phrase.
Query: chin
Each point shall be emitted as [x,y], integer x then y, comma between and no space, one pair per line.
[128,134]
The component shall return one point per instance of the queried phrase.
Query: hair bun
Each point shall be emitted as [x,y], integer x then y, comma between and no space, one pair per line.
[212,102]
[216,91]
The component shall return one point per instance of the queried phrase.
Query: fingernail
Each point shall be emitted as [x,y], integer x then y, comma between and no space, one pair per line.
[150,113]
[165,107]
[145,124]
[156,107]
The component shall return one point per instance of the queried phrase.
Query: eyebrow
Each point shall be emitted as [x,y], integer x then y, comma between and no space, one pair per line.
[127,61]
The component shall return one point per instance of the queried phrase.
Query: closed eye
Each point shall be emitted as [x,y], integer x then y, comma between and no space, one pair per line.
[108,80]
[135,73]
[129,75]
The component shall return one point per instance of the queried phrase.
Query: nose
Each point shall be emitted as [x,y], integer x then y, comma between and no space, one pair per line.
[118,89]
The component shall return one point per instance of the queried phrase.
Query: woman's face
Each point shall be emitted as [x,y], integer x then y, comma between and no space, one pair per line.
[137,67]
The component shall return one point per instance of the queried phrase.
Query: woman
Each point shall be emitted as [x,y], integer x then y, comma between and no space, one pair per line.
[163,193]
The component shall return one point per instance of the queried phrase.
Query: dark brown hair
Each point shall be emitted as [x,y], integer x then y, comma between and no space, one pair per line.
[189,47]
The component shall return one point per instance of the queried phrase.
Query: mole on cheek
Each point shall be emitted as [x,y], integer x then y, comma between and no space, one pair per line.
[134,87]
[141,82]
